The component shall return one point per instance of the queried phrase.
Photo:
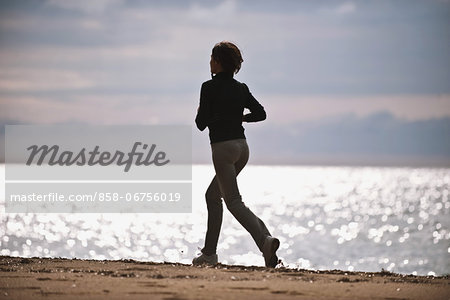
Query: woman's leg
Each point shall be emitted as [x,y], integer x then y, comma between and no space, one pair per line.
[215,212]
[229,159]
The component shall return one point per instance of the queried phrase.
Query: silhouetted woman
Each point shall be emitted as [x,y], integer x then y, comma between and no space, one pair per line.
[222,103]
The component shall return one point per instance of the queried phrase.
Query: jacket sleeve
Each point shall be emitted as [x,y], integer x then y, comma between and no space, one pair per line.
[257,112]
[201,120]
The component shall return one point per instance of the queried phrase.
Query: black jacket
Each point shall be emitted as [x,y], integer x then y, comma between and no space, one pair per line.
[222,103]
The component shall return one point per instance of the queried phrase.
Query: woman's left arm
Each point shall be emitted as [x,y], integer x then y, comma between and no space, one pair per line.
[201,120]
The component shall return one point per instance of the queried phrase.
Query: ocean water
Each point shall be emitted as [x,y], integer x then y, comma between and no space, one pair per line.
[348,218]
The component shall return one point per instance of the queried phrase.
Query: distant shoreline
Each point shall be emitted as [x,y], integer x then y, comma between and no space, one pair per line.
[306,164]
[26,278]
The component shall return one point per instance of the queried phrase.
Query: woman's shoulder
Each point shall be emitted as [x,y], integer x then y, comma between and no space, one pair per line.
[242,85]
[207,84]
[211,83]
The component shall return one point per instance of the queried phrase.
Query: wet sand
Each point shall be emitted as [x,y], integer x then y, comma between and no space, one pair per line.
[55,278]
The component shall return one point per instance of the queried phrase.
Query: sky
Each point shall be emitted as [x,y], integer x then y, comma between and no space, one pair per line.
[381,68]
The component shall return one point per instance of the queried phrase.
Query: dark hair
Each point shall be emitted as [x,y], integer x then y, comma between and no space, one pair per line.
[228,55]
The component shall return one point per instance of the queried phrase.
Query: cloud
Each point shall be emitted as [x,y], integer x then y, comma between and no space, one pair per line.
[346,8]
[343,8]
[86,6]
[165,108]
[37,80]
[376,139]
[295,50]
[288,109]
[224,11]
[98,109]
[302,63]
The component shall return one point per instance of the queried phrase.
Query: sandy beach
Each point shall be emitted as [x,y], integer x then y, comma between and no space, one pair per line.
[55,278]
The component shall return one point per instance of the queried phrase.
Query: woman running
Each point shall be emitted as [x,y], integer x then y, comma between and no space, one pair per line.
[222,103]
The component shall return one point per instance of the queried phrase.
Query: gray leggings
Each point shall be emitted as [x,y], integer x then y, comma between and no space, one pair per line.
[229,158]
